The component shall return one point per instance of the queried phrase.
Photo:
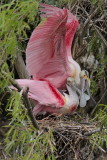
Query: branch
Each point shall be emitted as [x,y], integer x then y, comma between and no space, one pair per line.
[101,36]
[29,107]
[92,112]
[90,19]
[91,132]
[100,148]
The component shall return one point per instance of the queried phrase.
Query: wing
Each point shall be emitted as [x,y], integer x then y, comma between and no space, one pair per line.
[71,25]
[46,55]
[71,28]
[49,10]
[43,92]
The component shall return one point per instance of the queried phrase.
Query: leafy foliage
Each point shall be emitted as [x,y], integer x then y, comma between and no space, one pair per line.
[100,138]
[27,143]
[15,20]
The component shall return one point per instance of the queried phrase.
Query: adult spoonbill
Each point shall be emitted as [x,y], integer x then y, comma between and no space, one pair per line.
[49,62]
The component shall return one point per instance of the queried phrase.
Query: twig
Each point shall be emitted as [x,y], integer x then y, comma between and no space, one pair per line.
[29,108]
[102,30]
[93,100]
[92,112]
[80,52]
[100,148]
[31,151]
[90,19]
[101,36]
[73,7]
[91,132]
[84,27]
[26,100]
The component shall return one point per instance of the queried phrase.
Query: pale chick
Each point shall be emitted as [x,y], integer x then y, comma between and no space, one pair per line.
[83,89]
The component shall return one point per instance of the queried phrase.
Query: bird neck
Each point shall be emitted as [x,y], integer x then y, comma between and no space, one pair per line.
[74,69]
[71,99]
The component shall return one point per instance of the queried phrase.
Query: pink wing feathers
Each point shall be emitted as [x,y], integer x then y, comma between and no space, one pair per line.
[46,50]
[37,89]
[49,10]
[71,24]
[46,53]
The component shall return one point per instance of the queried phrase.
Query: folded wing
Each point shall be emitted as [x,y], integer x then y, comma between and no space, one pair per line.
[43,92]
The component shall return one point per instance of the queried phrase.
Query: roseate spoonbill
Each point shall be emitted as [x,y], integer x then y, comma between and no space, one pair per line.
[49,62]
[48,53]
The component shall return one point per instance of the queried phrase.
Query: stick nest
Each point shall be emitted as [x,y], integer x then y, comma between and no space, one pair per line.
[72,137]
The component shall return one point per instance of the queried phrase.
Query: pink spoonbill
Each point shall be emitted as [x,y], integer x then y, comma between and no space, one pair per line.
[50,63]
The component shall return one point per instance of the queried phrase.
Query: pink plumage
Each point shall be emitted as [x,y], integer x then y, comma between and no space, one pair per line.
[43,92]
[48,98]
[50,45]
[47,60]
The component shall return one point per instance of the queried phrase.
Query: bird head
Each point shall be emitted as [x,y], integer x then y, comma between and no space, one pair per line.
[83,89]
[77,76]
[84,74]
[74,70]
[85,81]
[71,99]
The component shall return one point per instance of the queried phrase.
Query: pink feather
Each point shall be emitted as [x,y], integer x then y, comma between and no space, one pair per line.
[41,108]
[49,45]
[47,60]
[71,24]
[43,92]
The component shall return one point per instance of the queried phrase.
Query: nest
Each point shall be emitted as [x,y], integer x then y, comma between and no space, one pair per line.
[72,138]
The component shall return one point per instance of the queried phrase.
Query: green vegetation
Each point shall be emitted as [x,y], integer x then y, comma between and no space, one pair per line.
[17,21]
